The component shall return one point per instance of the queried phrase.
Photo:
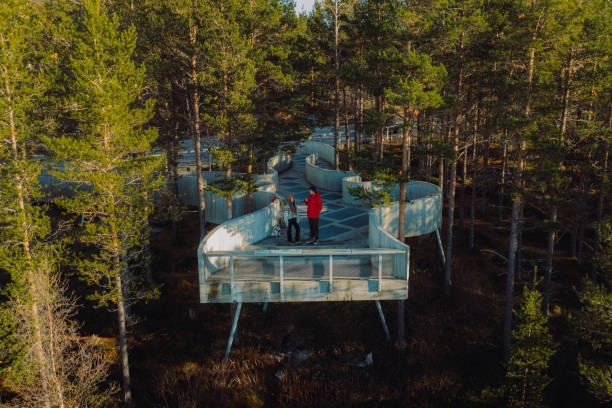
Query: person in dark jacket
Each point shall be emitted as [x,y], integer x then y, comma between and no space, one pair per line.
[314,206]
[291,215]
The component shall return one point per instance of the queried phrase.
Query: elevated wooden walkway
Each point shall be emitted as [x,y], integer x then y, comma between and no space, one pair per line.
[359,259]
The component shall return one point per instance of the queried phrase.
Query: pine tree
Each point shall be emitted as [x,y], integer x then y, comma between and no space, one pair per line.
[381,30]
[532,350]
[592,327]
[106,156]
[455,28]
[278,98]
[228,186]
[592,323]
[416,86]
[527,33]
[23,86]
[45,363]
[229,72]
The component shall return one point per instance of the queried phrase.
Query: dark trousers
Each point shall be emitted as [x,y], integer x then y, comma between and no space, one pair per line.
[293,223]
[313,224]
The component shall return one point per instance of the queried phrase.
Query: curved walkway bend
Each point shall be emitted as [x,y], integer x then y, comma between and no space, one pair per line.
[340,226]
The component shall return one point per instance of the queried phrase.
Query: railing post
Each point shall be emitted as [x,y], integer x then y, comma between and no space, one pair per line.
[281,275]
[331,271]
[379,272]
[232,275]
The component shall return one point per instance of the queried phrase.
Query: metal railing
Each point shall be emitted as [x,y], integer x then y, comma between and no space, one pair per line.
[400,258]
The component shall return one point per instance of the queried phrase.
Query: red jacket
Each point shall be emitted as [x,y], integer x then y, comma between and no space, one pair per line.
[315,204]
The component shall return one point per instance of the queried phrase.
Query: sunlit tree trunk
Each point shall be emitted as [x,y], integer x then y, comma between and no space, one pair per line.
[346,121]
[516,204]
[125,365]
[401,221]
[500,204]
[602,197]
[550,248]
[453,174]
[195,122]
[337,85]
[25,243]
[485,175]
[463,187]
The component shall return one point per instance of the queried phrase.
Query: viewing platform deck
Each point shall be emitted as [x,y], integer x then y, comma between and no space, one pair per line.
[358,256]
[340,268]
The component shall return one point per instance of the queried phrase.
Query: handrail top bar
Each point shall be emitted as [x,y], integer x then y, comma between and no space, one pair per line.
[312,252]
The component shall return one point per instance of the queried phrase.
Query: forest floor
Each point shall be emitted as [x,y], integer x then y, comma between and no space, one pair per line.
[309,354]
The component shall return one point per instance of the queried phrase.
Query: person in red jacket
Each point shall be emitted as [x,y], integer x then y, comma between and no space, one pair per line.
[314,206]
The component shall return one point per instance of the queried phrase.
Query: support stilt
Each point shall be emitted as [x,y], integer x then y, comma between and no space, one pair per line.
[265,307]
[440,248]
[382,320]
[233,331]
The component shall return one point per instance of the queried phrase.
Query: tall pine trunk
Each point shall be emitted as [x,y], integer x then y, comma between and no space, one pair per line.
[463,187]
[346,121]
[25,243]
[502,182]
[485,176]
[250,179]
[580,197]
[453,175]
[550,248]
[359,135]
[174,176]
[516,204]
[584,209]
[602,198]
[566,93]
[210,155]
[195,122]
[337,86]
[381,145]
[401,220]
[519,248]
[451,208]
[125,365]
[472,216]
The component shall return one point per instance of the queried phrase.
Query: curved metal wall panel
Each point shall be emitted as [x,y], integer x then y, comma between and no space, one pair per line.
[242,230]
[216,207]
[322,178]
